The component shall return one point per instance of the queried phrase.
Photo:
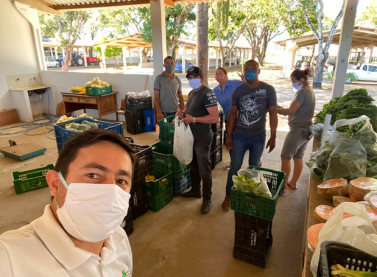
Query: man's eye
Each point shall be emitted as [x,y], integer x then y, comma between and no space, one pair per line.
[122,182]
[93,175]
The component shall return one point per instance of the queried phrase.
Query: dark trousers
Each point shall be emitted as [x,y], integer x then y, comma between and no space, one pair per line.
[200,167]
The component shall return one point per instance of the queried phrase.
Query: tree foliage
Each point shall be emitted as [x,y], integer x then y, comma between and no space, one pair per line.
[265,24]
[227,22]
[323,47]
[127,21]
[66,28]
[369,16]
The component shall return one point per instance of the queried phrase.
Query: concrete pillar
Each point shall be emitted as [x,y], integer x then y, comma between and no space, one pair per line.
[371,54]
[85,63]
[184,60]
[124,50]
[344,47]
[103,58]
[217,57]
[158,34]
[56,53]
[141,55]
[290,48]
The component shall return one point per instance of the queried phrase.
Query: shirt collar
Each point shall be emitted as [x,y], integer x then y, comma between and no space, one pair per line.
[63,248]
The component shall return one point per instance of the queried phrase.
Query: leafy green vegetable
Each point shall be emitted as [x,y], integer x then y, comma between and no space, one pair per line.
[355,103]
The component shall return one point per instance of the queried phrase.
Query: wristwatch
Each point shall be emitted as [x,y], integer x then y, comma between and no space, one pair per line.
[194,120]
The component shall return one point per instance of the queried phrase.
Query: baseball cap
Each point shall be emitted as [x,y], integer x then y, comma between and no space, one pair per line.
[194,70]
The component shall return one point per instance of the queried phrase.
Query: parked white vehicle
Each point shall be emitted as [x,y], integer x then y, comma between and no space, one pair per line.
[365,72]
[50,63]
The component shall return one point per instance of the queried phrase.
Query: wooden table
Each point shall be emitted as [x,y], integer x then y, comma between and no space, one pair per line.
[105,104]
[314,200]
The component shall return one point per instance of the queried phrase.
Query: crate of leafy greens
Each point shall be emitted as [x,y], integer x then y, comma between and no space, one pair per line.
[64,130]
[256,191]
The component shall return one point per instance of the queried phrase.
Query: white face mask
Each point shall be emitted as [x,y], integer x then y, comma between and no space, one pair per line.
[92,212]
[194,83]
[296,87]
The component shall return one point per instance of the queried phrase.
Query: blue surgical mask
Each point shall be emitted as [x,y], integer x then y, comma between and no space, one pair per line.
[194,83]
[250,75]
[296,87]
[169,68]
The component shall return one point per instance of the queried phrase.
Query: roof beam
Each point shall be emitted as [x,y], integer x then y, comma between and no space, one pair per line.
[100,5]
[36,5]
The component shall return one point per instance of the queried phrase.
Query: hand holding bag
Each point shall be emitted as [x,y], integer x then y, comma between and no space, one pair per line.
[183,142]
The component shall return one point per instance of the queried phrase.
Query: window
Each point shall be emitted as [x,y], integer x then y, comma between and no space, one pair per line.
[365,68]
[373,68]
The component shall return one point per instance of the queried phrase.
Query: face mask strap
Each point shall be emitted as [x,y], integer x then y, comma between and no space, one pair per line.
[63,180]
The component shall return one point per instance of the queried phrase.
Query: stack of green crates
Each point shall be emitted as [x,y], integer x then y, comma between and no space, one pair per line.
[163,158]
[160,191]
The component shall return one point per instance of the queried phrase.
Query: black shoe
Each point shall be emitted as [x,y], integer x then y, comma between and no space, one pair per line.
[191,193]
[206,206]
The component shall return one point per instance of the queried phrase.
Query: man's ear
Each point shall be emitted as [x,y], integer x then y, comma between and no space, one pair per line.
[53,181]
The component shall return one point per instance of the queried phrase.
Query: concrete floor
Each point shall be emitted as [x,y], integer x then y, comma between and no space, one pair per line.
[178,240]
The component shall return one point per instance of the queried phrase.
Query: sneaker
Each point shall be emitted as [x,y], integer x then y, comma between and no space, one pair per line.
[191,193]
[206,206]
[226,203]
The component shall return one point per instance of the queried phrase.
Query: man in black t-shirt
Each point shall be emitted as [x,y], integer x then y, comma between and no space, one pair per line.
[201,111]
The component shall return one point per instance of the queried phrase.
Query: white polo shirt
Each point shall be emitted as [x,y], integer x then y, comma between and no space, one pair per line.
[42,248]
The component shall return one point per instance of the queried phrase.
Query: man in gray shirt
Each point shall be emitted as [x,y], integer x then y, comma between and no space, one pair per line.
[247,123]
[168,91]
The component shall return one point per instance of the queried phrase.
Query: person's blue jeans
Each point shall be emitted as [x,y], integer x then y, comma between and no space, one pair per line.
[241,143]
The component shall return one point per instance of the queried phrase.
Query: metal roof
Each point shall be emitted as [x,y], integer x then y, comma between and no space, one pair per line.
[57,6]
[361,37]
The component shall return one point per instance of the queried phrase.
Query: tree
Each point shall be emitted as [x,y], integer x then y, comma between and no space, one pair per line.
[111,52]
[202,39]
[267,17]
[228,21]
[323,51]
[126,21]
[66,28]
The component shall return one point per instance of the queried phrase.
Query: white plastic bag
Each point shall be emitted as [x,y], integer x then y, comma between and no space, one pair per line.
[251,180]
[356,230]
[183,142]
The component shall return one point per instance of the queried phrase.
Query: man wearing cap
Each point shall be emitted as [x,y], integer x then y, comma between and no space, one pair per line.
[247,123]
[168,91]
[201,111]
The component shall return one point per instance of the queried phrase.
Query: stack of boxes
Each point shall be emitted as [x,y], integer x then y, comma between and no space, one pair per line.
[253,216]
[216,152]
[164,160]
[139,114]
[143,166]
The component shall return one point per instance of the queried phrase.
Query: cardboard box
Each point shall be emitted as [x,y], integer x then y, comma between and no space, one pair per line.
[8,116]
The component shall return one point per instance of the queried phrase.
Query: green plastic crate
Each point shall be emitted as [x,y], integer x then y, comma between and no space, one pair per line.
[93,91]
[164,161]
[162,183]
[32,179]
[257,206]
[167,129]
[156,203]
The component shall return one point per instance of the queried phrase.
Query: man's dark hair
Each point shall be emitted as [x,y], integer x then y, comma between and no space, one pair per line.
[252,61]
[169,57]
[71,147]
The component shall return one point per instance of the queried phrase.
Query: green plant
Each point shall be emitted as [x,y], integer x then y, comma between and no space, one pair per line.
[350,76]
